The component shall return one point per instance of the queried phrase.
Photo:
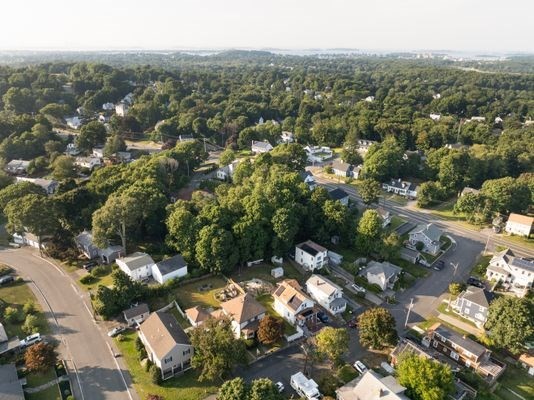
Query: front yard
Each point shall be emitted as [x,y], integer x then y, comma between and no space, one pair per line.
[267,301]
[200,293]
[184,387]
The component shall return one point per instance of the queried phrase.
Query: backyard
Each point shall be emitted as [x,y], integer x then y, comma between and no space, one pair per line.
[517,380]
[183,387]
[263,272]
[200,293]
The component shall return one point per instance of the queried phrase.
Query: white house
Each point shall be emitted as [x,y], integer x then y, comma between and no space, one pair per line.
[166,344]
[385,216]
[88,162]
[246,313]
[476,119]
[364,145]
[318,153]
[225,173]
[505,267]
[259,147]
[287,137]
[49,185]
[435,117]
[98,152]
[429,235]
[400,187]
[72,149]
[369,99]
[137,265]
[121,109]
[292,304]
[342,169]
[383,274]
[340,195]
[73,122]
[310,255]
[326,293]
[17,167]
[136,315]
[27,239]
[170,268]
[108,106]
[518,224]
[372,386]
[308,179]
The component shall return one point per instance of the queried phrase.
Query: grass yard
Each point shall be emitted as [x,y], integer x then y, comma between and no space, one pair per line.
[36,379]
[349,254]
[529,242]
[190,295]
[267,301]
[479,270]
[417,271]
[395,198]
[104,280]
[263,272]
[183,387]
[52,393]
[519,381]
[396,221]
[16,295]
[442,308]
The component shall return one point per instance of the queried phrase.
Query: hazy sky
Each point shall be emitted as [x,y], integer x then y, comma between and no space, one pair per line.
[482,25]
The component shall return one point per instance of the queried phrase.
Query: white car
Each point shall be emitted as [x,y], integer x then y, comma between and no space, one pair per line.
[360,367]
[29,340]
[358,288]
[279,386]
[115,331]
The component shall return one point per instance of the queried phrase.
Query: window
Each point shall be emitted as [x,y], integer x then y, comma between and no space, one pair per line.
[167,360]
[467,310]
[188,351]
[467,303]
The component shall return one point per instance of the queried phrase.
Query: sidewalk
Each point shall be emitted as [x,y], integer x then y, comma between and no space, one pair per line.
[47,385]
[460,324]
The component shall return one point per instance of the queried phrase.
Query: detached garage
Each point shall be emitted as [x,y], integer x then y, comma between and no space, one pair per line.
[174,267]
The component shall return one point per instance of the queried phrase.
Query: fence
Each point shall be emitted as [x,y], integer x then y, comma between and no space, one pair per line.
[295,336]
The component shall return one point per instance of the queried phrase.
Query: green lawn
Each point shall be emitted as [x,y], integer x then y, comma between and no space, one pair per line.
[396,221]
[183,387]
[395,198]
[104,280]
[417,271]
[15,295]
[190,295]
[52,393]
[267,301]
[37,379]
[442,308]
[529,242]
[347,373]
[479,270]
[349,254]
[519,381]
[263,272]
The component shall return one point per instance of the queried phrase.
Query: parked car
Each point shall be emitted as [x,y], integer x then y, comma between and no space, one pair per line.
[322,317]
[360,367]
[6,279]
[439,265]
[29,340]
[475,282]
[115,331]
[279,386]
[358,288]
[89,265]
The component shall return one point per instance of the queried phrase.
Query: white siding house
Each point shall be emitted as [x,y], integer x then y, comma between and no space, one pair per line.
[137,266]
[292,304]
[311,256]
[326,293]
[518,224]
[170,268]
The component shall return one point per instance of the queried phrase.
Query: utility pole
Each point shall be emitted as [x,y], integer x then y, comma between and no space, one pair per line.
[408,314]
[455,266]
[487,243]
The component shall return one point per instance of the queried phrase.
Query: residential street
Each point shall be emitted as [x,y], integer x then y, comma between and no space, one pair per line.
[96,374]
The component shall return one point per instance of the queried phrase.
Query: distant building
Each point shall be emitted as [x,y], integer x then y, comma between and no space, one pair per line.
[476,119]
[308,179]
[369,99]
[342,169]
[518,224]
[17,167]
[88,162]
[49,185]
[364,145]
[400,187]
[317,154]
[122,109]
[469,190]
[74,122]
[435,117]
[108,106]
[287,137]
[340,195]
[259,147]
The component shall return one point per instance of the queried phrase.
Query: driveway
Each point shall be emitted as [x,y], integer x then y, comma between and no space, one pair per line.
[96,374]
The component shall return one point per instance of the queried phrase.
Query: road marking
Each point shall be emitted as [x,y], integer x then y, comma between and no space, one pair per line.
[89,311]
[51,263]
[74,288]
[78,379]
[120,371]
[46,301]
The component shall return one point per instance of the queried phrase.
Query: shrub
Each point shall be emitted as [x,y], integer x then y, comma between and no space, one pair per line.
[155,375]
[419,246]
[4,270]
[31,324]
[12,315]
[88,279]
[29,308]
[101,270]
[39,357]
[121,338]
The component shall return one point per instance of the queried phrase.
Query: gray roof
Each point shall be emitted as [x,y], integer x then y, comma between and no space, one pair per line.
[508,256]
[136,311]
[398,183]
[338,302]
[464,343]
[111,250]
[477,296]
[341,166]
[171,264]
[85,238]
[386,268]
[10,387]
[137,260]
[409,252]
[338,194]
[431,231]
[262,145]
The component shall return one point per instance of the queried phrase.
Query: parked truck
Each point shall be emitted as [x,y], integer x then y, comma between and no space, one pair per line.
[305,387]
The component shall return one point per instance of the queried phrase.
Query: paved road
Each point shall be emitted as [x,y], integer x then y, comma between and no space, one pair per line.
[98,375]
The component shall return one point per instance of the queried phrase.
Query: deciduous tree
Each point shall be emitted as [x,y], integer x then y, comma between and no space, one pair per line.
[424,378]
[333,343]
[369,191]
[377,328]
[270,330]
[40,357]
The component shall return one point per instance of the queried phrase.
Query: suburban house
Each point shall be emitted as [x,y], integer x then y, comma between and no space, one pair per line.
[98,152]
[435,117]
[136,315]
[518,224]
[372,386]
[383,274]
[505,267]
[137,266]
[308,179]
[29,239]
[259,147]
[17,167]
[341,168]
[108,106]
[527,361]
[357,171]
[74,122]
[7,345]
[469,190]
[123,156]
[385,216]
[166,343]
[84,242]
[72,150]
[310,255]
[339,194]
[364,145]
[245,312]
[464,351]
[287,137]
[473,304]
[292,304]
[410,255]
[196,315]
[476,119]
[225,173]
[10,385]
[170,268]
[406,346]
[49,185]
[88,162]
[103,118]
[326,293]
[429,235]
[400,187]
[317,154]
[121,109]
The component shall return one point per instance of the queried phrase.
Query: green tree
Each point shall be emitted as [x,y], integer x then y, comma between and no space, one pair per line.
[63,168]
[13,192]
[183,231]
[114,144]
[270,330]
[369,191]
[507,195]
[291,155]
[333,343]
[455,288]
[217,351]
[263,389]
[425,378]
[226,157]
[216,250]
[428,194]
[31,324]
[369,232]
[92,134]
[234,389]
[377,328]
[155,375]
[11,315]
[391,246]
[511,322]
